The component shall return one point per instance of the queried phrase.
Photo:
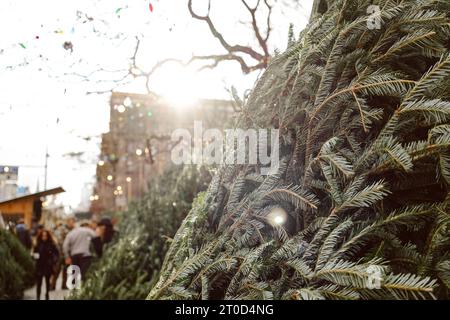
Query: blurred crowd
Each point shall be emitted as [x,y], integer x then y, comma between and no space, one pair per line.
[69,243]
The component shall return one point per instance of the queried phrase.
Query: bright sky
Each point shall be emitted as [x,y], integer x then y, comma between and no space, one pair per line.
[43,100]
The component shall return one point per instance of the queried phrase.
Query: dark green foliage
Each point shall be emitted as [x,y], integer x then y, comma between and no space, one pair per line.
[16,267]
[129,265]
[364,119]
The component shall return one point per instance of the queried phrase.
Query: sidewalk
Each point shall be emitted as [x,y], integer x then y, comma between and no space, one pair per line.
[57,294]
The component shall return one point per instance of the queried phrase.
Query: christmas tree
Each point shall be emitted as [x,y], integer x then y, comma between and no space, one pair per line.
[130,264]
[359,207]
[16,267]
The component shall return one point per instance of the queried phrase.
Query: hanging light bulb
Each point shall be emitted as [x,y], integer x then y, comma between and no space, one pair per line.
[121,108]
[101,163]
[127,102]
[128,179]
[139,152]
[109,178]
[277,217]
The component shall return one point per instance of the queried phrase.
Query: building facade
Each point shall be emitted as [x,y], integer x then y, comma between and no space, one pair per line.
[138,145]
[8,182]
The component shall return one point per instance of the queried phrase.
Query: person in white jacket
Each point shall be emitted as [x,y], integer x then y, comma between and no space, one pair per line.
[77,246]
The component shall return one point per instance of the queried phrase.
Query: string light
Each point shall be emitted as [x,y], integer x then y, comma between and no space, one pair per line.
[278,220]
[119,188]
[139,152]
[109,178]
[121,108]
[277,216]
[128,179]
[101,163]
[127,102]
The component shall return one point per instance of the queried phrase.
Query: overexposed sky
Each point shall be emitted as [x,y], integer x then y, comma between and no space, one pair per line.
[43,100]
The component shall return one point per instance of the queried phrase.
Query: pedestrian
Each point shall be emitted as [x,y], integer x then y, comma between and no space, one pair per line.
[71,223]
[77,245]
[2,222]
[60,233]
[47,255]
[69,226]
[106,232]
[23,234]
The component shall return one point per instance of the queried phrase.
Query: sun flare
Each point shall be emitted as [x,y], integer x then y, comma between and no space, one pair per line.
[179,85]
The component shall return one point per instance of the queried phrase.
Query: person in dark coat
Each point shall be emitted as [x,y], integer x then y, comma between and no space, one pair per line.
[23,234]
[47,255]
[107,233]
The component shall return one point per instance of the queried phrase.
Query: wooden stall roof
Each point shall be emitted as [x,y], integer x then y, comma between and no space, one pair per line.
[35,195]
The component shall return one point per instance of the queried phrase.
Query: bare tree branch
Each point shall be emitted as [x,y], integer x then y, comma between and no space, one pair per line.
[217,59]
[230,48]
[268,21]
[261,58]
[238,53]
[260,39]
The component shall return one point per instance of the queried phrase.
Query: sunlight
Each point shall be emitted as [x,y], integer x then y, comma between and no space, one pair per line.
[277,217]
[178,85]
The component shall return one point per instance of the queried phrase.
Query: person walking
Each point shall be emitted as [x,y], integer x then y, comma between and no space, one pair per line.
[60,233]
[69,226]
[47,255]
[77,245]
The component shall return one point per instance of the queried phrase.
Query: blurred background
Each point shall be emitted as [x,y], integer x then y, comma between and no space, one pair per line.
[88,87]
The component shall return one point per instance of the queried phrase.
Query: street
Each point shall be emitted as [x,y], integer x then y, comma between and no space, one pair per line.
[57,294]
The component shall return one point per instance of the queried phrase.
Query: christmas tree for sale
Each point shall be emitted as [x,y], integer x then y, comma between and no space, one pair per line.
[359,207]
[17,270]
[130,264]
